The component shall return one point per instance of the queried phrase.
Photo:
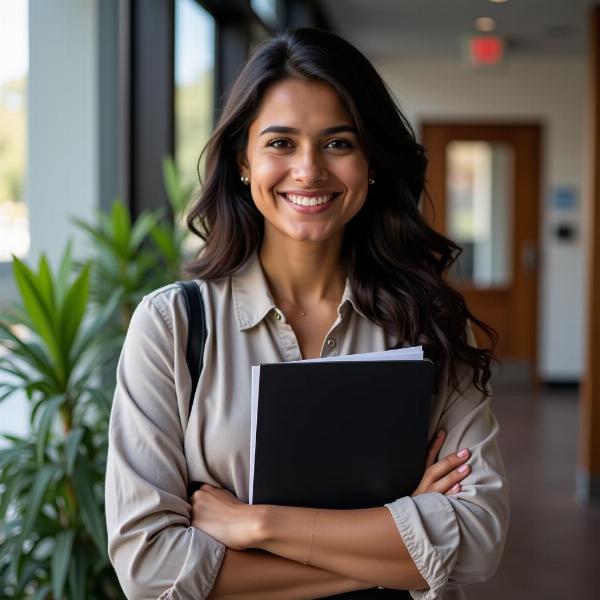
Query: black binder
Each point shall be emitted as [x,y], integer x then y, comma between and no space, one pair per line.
[341,435]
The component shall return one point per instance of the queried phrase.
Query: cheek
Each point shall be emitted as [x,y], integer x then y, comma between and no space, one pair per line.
[353,172]
[267,171]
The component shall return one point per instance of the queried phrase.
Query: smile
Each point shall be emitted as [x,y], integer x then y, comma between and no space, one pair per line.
[308,200]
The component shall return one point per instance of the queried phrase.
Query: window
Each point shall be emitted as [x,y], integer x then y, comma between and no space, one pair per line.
[194,84]
[266,10]
[480,182]
[14,223]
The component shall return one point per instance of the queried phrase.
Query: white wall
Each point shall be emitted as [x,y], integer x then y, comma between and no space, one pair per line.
[62,144]
[63,120]
[552,92]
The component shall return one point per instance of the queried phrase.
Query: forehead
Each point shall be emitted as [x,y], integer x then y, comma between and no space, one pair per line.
[303,104]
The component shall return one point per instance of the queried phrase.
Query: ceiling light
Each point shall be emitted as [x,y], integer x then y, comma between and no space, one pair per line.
[485,24]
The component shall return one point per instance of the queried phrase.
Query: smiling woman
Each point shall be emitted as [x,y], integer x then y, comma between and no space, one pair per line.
[314,247]
[305,163]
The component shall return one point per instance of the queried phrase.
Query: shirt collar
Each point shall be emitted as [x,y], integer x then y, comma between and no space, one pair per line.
[349,299]
[252,300]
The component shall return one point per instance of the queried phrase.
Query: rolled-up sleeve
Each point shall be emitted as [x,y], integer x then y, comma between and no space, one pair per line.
[154,549]
[458,540]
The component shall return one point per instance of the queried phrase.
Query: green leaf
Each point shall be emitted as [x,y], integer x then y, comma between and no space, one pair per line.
[90,331]
[71,448]
[46,285]
[14,486]
[121,225]
[32,509]
[77,576]
[49,410]
[142,227]
[41,593]
[36,497]
[163,239]
[30,351]
[14,439]
[97,235]
[64,272]
[7,390]
[18,451]
[171,181]
[26,574]
[89,509]
[9,366]
[36,309]
[73,309]
[60,562]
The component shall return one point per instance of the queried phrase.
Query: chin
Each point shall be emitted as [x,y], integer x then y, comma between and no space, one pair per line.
[305,235]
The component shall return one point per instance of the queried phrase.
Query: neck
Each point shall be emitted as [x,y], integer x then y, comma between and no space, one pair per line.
[304,273]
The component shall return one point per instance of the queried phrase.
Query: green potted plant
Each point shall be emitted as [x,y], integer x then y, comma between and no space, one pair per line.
[52,533]
[59,349]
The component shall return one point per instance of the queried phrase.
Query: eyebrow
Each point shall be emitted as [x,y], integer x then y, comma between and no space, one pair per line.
[293,130]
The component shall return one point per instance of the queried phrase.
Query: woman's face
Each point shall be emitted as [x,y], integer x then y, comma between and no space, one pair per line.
[308,172]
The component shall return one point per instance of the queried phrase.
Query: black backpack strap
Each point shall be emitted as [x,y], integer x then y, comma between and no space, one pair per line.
[196,338]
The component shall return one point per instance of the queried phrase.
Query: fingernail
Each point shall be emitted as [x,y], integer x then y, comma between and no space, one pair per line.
[440,434]
[462,453]
[463,468]
[456,488]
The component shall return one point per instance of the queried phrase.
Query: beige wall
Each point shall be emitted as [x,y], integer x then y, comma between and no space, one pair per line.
[552,92]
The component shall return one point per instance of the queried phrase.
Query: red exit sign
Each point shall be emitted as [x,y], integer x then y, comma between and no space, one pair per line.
[486,50]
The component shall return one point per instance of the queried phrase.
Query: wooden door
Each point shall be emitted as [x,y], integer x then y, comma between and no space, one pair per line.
[498,276]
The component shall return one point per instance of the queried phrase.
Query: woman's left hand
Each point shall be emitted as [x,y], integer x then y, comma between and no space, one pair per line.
[219,513]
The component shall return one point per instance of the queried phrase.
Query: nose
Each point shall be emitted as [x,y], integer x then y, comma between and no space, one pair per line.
[309,168]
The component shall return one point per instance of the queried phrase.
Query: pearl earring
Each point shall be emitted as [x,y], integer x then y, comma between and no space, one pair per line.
[245,180]
[371,180]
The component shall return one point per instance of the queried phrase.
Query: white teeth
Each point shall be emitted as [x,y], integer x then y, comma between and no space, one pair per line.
[309,201]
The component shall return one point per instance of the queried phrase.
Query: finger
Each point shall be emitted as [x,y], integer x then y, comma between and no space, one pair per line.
[446,465]
[193,486]
[448,482]
[434,448]
[454,490]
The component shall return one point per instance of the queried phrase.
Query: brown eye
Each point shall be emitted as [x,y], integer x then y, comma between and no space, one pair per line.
[279,143]
[339,144]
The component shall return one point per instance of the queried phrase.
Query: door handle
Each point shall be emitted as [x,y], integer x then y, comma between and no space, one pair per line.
[529,256]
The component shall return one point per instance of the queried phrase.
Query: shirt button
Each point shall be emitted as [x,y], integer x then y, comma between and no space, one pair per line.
[331,343]
[277,315]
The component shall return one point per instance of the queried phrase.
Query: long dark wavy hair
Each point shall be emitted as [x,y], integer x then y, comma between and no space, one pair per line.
[395,262]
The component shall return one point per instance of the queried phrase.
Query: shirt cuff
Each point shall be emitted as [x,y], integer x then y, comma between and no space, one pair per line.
[429,529]
[200,568]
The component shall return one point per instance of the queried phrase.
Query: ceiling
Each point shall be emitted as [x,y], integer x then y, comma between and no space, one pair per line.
[435,28]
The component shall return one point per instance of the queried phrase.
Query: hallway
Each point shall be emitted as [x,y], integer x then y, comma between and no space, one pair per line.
[553,546]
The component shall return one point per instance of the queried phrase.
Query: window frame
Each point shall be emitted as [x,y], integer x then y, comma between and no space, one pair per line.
[147,70]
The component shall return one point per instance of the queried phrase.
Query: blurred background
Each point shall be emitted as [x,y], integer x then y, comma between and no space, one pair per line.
[105,106]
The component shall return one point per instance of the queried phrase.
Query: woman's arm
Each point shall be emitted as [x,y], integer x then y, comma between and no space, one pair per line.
[257,575]
[153,548]
[361,544]
[364,543]
[440,541]
[428,542]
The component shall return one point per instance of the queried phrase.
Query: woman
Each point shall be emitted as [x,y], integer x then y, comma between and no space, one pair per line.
[314,247]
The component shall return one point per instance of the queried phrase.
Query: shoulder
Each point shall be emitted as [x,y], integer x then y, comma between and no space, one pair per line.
[168,302]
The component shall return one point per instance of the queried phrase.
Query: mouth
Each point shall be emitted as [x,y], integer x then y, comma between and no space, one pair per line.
[312,200]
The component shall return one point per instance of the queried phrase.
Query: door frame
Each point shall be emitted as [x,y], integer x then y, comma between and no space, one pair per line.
[526,139]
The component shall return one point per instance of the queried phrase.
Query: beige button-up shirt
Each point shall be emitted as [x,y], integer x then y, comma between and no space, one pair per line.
[155,448]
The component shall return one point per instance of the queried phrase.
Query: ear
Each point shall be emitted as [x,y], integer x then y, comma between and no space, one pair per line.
[243,167]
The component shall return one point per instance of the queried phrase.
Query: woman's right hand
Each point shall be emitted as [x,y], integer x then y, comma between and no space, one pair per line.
[445,475]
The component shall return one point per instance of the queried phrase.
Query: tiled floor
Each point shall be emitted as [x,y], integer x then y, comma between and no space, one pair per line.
[553,545]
